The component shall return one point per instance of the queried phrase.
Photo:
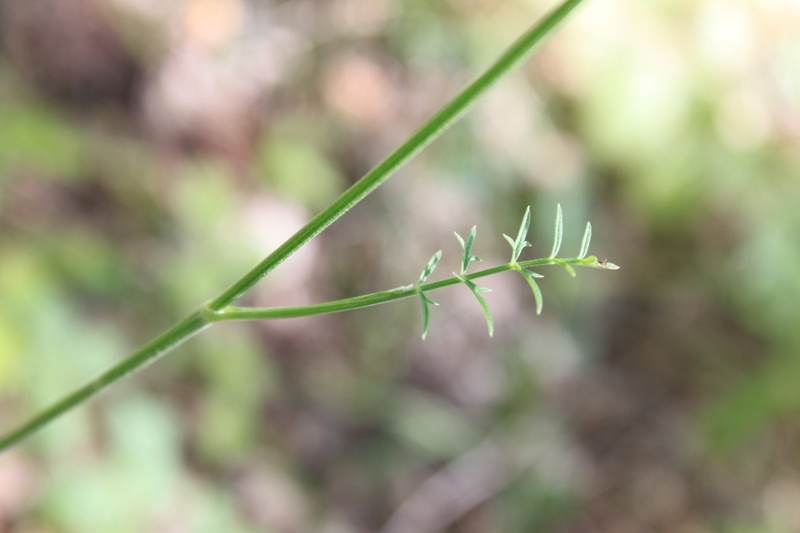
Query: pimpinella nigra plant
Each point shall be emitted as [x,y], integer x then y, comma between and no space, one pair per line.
[219,309]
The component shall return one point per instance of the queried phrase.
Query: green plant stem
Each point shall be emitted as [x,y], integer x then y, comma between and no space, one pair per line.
[197,321]
[148,353]
[376,298]
[429,131]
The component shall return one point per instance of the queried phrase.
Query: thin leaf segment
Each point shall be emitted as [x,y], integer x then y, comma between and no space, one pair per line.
[427,271]
[466,247]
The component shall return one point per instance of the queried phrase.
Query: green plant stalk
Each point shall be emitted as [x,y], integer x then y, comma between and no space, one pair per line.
[177,334]
[201,319]
[377,298]
[425,135]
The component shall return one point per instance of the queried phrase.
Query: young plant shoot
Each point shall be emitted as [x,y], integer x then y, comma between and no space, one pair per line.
[219,309]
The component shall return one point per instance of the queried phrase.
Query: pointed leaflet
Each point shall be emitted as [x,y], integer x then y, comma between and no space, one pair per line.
[477,290]
[587,238]
[512,244]
[566,266]
[428,270]
[520,244]
[537,293]
[425,313]
[559,232]
[466,248]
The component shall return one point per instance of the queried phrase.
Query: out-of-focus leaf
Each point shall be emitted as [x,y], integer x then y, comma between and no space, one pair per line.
[559,231]
[300,171]
[587,238]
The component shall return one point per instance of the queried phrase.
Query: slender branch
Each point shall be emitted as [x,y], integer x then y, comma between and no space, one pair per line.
[148,353]
[201,319]
[429,131]
[376,298]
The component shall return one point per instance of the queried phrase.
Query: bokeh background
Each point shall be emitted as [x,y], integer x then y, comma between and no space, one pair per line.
[152,151]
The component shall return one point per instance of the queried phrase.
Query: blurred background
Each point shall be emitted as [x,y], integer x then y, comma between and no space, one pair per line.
[152,151]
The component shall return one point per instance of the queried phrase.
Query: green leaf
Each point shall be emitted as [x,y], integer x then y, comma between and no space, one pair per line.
[520,243]
[559,231]
[428,270]
[537,293]
[424,300]
[466,248]
[587,238]
[566,266]
[477,290]
[510,242]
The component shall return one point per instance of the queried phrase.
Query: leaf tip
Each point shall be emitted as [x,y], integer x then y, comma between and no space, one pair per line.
[559,231]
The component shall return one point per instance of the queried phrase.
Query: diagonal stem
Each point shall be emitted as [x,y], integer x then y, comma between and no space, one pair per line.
[148,353]
[429,131]
[201,319]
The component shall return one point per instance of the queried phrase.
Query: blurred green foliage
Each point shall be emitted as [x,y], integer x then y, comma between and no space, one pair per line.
[672,125]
